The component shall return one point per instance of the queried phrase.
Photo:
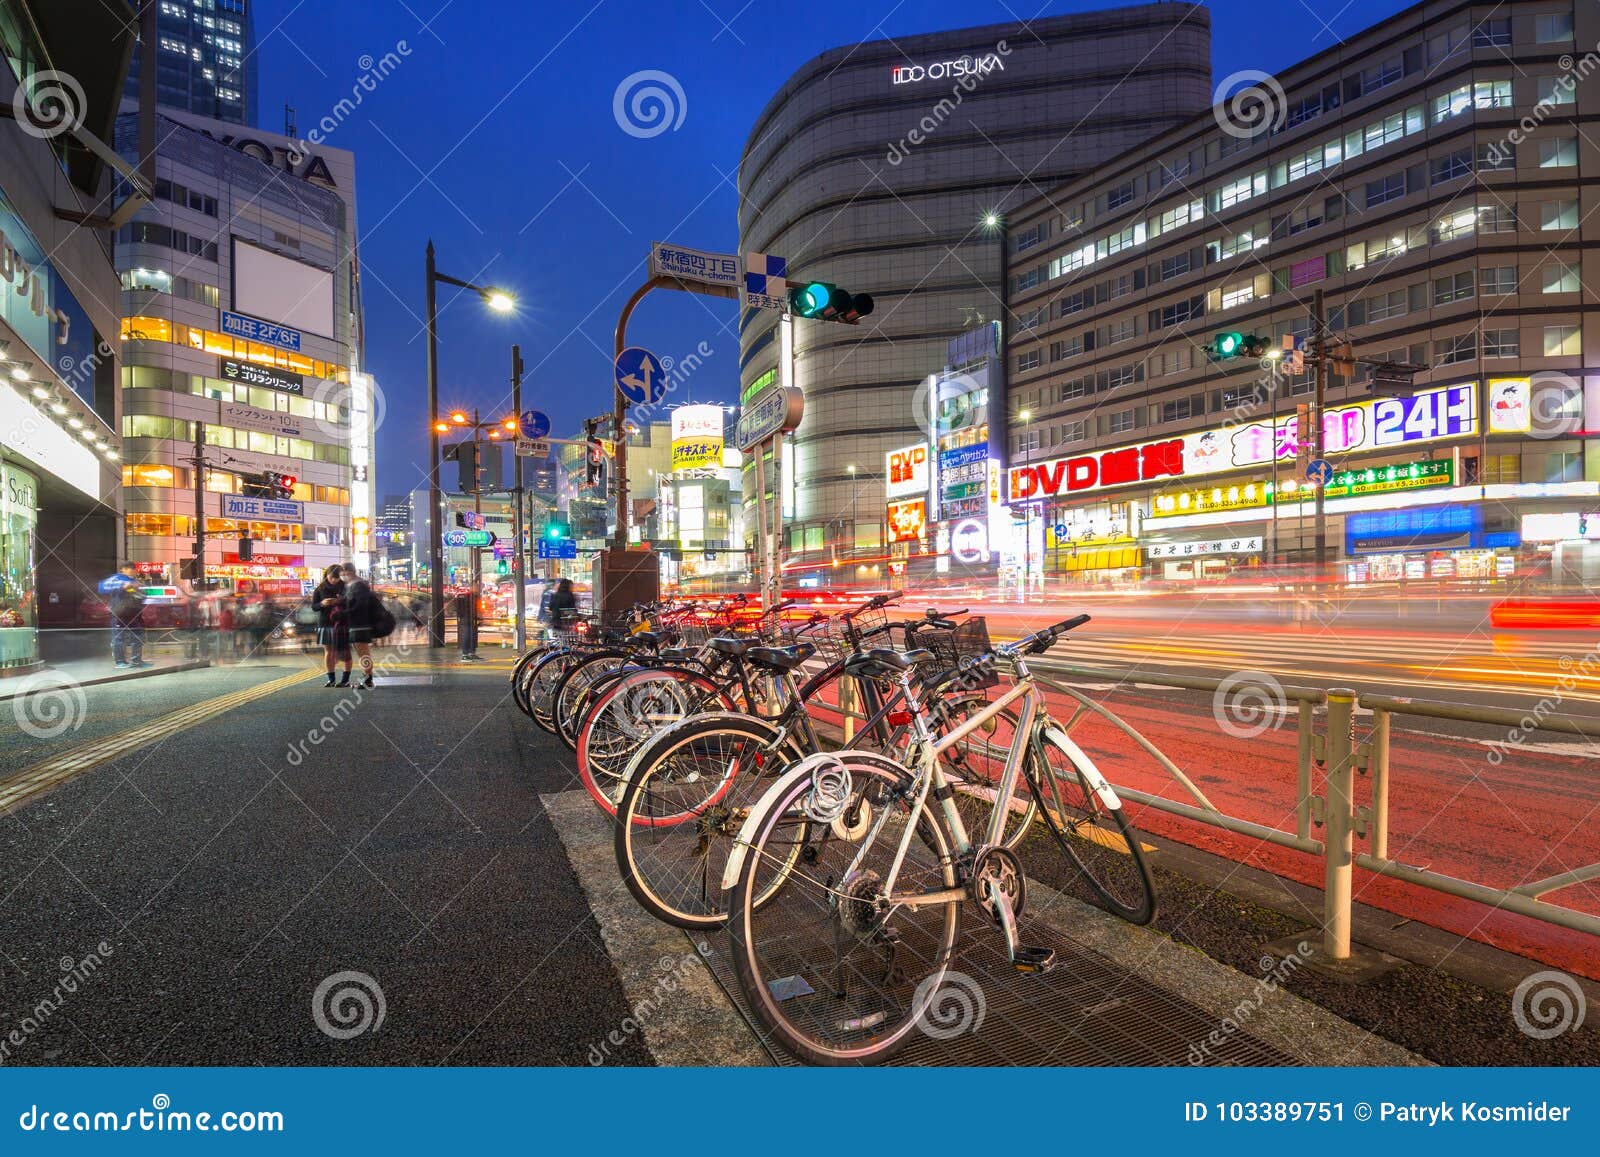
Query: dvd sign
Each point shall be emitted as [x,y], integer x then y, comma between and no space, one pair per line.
[906,471]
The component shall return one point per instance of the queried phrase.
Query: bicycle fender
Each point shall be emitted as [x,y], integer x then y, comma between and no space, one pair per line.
[800,771]
[1080,759]
[719,716]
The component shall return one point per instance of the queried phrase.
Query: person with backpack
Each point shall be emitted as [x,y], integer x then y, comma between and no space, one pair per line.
[366,617]
[328,599]
[125,600]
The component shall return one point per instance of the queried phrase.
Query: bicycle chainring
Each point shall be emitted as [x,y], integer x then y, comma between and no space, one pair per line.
[998,871]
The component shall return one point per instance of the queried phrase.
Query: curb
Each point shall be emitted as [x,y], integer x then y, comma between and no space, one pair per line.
[120,676]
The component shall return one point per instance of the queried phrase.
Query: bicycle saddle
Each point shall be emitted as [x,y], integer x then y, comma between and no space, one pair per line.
[780,658]
[676,654]
[647,639]
[885,660]
[727,645]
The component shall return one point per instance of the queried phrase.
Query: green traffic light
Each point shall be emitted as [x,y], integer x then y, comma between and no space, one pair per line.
[557,530]
[813,299]
[1227,344]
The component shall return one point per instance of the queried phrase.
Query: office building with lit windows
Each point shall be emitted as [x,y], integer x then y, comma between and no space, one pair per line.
[878,167]
[242,313]
[1426,178]
[205,59]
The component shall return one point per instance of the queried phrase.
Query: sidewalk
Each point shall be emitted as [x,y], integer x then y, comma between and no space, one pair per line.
[90,672]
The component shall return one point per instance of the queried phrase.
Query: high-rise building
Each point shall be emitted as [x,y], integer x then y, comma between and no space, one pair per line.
[242,315]
[888,167]
[1423,181]
[59,402]
[205,59]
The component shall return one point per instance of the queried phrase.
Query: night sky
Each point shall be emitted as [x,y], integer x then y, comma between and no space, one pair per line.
[496,137]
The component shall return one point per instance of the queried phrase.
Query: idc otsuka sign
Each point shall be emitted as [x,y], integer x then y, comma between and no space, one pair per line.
[1374,424]
[961,66]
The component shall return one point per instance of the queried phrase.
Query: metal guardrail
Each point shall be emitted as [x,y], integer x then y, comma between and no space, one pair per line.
[1342,757]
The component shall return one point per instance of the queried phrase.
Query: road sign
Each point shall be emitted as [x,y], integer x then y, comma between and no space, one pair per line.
[478,538]
[717,269]
[640,376]
[776,410]
[534,423]
[558,548]
[471,520]
[1319,470]
[532,448]
[765,286]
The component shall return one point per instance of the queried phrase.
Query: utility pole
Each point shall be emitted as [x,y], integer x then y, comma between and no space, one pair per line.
[477,502]
[435,499]
[519,563]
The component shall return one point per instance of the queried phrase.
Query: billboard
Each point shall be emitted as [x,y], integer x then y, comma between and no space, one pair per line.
[281,289]
[908,519]
[906,472]
[696,438]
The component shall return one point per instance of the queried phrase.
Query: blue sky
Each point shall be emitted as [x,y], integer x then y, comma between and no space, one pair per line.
[495,136]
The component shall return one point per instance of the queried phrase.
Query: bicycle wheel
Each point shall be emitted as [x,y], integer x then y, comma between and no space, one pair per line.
[1085,822]
[834,973]
[521,675]
[542,681]
[686,794]
[626,713]
[566,702]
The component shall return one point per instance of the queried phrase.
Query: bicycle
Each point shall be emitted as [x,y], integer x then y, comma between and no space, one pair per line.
[686,791]
[846,887]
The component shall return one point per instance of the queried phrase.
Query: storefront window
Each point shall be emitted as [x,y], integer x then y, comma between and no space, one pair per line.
[19,637]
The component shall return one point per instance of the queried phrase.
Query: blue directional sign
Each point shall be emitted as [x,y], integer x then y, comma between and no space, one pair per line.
[640,376]
[535,423]
[1319,470]
[558,548]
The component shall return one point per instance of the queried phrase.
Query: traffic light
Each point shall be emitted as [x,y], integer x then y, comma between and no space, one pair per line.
[246,548]
[595,455]
[465,456]
[277,485]
[254,486]
[556,528]
[820,299]
[1231,344]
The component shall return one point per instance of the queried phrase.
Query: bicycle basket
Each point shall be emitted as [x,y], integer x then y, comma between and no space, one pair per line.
[950,647]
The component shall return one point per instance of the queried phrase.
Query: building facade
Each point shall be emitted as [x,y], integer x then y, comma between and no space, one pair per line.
[887,167]
[205,59]
[59,402]
[1426,181]
[242,314]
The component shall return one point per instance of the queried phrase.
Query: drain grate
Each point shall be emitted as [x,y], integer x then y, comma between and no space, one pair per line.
[1087,1011]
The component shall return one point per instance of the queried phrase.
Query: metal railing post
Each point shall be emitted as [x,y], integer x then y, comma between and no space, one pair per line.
[1378,742]
[1339,815]
[1302,768]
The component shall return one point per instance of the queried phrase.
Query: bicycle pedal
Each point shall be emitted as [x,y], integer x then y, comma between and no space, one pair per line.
[1035,960]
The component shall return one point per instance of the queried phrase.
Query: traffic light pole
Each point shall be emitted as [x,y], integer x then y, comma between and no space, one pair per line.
[435,499]
[199,461]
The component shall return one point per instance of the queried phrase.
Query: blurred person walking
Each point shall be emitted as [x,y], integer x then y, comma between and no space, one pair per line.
[367,619]
[125,600]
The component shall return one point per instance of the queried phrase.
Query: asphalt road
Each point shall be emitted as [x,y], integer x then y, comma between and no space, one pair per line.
[183,902]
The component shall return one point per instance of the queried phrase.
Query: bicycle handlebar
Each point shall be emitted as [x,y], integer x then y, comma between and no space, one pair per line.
[1041,641]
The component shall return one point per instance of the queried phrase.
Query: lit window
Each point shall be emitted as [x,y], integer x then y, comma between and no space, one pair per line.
[1561,341]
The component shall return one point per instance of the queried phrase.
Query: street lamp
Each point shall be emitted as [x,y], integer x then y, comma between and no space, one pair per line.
[499,301]
[1027,510]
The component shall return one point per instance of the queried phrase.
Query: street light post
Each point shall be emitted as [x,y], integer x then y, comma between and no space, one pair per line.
[501,302]
[1027,509]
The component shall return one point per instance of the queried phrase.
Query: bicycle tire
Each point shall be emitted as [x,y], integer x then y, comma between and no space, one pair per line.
[658,849]
[1096,837]
[881,1010]
[564,702]
[542,680]
[601,739]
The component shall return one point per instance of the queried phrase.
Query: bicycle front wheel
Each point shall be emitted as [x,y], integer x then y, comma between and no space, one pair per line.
[834,969]
[686,795]
[1085,823]
[633,707]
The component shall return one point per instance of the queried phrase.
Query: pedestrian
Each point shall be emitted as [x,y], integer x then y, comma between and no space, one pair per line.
[563,606]
[332,632]
[262,624]
[125,600]
[364,615]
